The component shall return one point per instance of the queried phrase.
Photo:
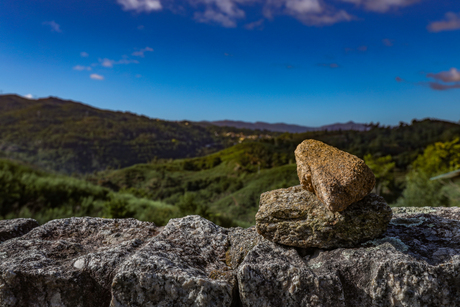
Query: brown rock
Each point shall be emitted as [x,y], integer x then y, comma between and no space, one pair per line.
[337,178]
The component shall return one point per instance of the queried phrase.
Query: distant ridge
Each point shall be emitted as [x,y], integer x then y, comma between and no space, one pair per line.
[282,127]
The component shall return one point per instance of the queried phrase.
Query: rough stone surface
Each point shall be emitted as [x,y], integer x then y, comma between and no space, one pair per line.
[99,262]
[241,242]
[10,229]
[183,266]
[296,217]
[416,263]
[337,178]
[68,262]
[273,275]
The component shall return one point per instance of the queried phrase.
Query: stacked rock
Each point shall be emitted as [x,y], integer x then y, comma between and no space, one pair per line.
[332,207]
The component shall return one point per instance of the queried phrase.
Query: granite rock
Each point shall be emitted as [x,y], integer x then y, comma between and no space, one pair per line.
[183,266]
[68,262]
[274,275]
[337,178]
[296,217]
[101,262]
[10,229]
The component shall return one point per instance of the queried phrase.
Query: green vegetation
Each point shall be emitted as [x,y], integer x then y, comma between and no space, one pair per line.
[224,187]
[28,192]
[420,190]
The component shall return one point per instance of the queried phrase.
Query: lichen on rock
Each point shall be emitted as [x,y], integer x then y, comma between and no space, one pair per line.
[296,217]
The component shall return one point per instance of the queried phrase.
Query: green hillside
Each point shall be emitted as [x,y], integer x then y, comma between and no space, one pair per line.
[225,186]
[71,137]
[28,192]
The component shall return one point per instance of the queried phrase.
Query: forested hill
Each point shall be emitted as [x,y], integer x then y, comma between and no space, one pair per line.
[72,137]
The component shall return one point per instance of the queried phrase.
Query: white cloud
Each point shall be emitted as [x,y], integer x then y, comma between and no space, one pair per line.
[445,80]
[107,62]
[141,5]
[54,26]
[224,12]
[450,22]
[84,54]
[29,96]
[110,63]
[80,67]
[228,12]
[304,6]
[452,75]
[382,6]
[96,77]
[142,51]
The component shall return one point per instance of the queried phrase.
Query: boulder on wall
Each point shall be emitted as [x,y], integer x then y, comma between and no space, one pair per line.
[336,177]
[193,262]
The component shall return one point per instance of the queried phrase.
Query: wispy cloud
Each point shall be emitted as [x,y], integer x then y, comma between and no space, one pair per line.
[107,63]
[141,5]
[54,26]
[224,12]
[382,6]
[388,42]
[228,12]
[29,96]
[450,22]
[362,48]
[445,80]
[328,65]
[96,77]
[443,87]
[110,63]
[452,75]
[309,12]
[84,54]
[141,52]
[255,25]
[80,67]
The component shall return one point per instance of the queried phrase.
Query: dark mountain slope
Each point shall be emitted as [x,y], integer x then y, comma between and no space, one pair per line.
[69,137]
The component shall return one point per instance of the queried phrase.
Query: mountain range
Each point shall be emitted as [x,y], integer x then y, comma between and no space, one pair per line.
[282,127]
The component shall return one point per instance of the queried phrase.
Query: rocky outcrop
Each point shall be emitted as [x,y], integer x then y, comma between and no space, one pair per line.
[10,229]
[336,177]
[183,266]
[296,217]
[68,262]
[192,262]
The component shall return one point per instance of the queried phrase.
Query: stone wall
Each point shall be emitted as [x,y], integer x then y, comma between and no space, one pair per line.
[193,262]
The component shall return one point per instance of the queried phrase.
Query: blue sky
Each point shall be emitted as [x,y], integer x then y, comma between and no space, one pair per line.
[307,62]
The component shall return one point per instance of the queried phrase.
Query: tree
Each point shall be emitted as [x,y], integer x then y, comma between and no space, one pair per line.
[382,167]
[436,159]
